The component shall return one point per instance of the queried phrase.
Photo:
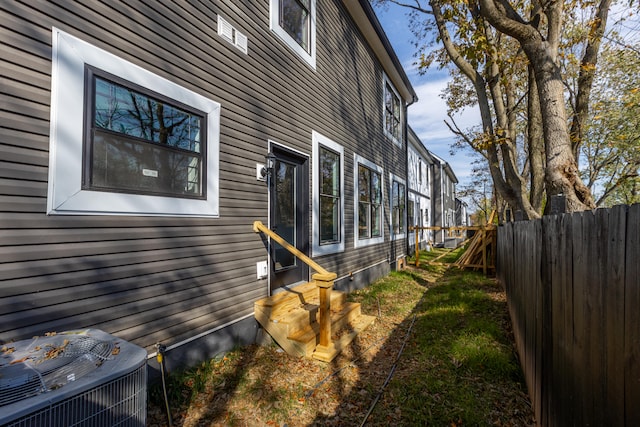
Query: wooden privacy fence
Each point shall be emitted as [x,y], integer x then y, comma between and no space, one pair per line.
[573,290]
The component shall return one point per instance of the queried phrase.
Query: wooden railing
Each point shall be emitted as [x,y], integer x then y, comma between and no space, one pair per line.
[322,278]
[475,255]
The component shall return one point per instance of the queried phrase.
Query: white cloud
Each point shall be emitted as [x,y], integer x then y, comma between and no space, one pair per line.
[427,117]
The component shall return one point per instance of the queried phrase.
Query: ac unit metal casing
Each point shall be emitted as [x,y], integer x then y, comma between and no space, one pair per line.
[112,394]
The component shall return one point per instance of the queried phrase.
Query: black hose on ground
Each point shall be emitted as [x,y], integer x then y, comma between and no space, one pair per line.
[393,369]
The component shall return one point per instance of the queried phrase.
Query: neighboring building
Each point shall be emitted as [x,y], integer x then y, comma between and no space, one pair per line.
[462,214]
[420,183]
[444,190]
[133,138]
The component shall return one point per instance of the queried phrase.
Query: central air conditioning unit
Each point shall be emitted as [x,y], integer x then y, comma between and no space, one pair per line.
[75,378]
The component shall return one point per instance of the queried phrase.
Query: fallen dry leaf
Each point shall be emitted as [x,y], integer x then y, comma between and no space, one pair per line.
[15,362]
[7,350]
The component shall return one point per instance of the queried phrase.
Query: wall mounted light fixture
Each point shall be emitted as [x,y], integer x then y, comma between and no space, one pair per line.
[270,163]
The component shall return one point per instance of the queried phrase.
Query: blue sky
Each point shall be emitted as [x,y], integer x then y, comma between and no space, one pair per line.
[427,116]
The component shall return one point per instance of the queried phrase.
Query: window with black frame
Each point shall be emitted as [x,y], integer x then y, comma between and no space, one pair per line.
[139,142]
[398,208]
[329,182]
[392,119]
[295,20]
[369,203]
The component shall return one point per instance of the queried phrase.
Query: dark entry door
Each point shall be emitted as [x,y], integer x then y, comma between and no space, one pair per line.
[289,217]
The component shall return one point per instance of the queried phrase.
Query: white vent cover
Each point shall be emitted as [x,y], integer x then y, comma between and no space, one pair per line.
[225,29]
[232,35]
[242,42]
[71,379]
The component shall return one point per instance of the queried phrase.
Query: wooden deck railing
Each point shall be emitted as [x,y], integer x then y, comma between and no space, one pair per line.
[322,278]
[476,254]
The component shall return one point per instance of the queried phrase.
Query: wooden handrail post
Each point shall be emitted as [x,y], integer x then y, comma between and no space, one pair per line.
[417,248]
[325,286]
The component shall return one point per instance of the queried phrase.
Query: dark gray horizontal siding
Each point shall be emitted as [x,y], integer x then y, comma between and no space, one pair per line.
[125,312]
[152,279]
[53,262]
[22,171]
[21,236]
[101,277]
[34,252]
[22,147]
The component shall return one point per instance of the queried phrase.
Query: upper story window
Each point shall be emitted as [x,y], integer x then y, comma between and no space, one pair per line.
[125,141]
[328,196]
[294,21]
[368,202]
[139,143]
[392,113]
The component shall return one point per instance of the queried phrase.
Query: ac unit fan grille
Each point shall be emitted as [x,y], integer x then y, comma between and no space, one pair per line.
[82,378]
[47,364]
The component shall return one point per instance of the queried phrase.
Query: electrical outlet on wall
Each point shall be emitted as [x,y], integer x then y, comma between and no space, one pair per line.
[260,172]
[262,269]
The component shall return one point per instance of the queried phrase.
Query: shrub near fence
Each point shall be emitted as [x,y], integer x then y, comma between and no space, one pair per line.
[573,289]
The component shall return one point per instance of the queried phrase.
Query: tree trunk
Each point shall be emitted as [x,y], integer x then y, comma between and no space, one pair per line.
[561,173]
[508,183]
[535,143]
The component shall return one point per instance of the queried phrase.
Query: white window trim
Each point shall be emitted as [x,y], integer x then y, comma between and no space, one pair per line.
[396,178]
[357,242]
[415,198]
[65,193]
[395,140]
[337,247]
[274,25]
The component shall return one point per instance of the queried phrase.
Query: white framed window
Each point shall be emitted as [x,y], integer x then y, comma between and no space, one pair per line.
[398,207]
[162,161]
[328,195]
[392,112]
[368,202]
[294,21]
[411,212]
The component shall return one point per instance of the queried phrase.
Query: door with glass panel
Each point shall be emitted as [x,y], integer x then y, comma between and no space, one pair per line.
[289,216]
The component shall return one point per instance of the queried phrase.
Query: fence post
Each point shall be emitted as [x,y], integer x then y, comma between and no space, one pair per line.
[558,204]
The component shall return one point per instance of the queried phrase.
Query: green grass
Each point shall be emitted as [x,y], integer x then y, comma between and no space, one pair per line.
[462,361]
[458,367]
[397,293]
